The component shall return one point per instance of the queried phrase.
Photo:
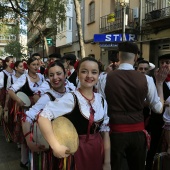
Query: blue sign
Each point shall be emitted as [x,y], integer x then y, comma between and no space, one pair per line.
[113,37]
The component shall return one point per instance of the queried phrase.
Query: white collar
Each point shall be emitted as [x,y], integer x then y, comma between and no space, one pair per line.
[125,66]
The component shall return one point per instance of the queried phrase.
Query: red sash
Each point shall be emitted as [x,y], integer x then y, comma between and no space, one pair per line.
[127,127]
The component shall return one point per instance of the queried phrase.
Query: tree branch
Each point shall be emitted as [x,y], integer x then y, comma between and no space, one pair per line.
[29,10]
[23,16]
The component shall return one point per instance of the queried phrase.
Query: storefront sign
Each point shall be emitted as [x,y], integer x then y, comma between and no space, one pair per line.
[113,37]
[108,45]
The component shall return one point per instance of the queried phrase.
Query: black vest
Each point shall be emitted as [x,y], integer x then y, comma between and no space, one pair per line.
[125,93]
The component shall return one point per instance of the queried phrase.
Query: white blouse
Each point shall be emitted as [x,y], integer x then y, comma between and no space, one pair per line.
[166,114]
[14,79]
[2,77]
[22,80]
[66,104]
[44,87]
[40,104]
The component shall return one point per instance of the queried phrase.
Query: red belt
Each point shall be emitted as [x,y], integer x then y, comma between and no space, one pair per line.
[127,127]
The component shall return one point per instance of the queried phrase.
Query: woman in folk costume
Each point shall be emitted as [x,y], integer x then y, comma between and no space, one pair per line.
[57,76]
[27,83]
[45,86]
[4,74]
[9,114]
[88,113]
[7,71]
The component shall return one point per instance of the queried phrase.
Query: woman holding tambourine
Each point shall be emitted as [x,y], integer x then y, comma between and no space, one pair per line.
[10,117]
[8,64]
[55,88]
[28,84]
[88,113]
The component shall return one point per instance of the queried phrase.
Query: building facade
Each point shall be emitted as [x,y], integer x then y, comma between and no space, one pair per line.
[105,23]
[146,23]
[7,23]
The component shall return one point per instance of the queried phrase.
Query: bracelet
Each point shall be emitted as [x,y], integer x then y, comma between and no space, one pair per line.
[27,134]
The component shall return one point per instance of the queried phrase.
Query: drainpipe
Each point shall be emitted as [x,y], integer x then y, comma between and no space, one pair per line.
[140,23]
[100,13]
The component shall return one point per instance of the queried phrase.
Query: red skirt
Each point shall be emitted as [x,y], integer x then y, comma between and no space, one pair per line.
[9,125]
[2,97]
[90,154]
[17,112]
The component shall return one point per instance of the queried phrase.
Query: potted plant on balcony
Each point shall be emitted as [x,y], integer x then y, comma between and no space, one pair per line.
[155,14]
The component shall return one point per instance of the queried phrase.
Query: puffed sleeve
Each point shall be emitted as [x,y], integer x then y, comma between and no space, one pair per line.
[19,83]
[43,88]
[59,107]
[41,77]
[35,109]
[105,125]
[101,84]
[1,80]
[69,86]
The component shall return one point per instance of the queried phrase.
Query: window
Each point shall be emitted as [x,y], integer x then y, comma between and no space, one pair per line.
[69,24]
[91,12]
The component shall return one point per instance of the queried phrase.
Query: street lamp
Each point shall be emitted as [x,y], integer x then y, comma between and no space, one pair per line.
[123,4]
[30,50]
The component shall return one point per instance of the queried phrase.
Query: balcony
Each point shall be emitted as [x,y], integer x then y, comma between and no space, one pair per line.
[115,25]
[157,18]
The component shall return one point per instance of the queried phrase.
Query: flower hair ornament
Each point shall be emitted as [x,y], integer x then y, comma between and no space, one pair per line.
[25,65]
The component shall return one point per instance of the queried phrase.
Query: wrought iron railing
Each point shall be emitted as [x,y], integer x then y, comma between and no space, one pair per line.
[107,25]
[157,14]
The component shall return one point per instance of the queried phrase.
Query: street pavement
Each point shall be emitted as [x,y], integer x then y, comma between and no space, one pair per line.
[9,154]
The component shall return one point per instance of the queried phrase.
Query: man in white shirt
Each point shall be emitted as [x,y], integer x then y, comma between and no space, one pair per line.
[125,90]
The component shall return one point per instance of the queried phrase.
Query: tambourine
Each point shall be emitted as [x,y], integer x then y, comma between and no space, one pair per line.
[24,98]
[66,133]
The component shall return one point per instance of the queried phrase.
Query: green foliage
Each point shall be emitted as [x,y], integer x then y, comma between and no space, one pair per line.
[15,49]
[1,52]
[54,10]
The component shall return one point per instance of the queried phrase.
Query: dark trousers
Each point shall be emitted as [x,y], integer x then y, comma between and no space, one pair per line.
[155,129]
[128,149]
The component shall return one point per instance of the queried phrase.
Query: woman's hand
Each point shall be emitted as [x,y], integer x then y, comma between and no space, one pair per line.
[34,147]
[20,103]
[106,166]
[61,151]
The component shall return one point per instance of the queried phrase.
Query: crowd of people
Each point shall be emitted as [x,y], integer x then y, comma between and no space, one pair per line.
[121,114]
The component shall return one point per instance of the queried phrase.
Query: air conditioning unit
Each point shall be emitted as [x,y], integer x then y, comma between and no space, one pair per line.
[136,12]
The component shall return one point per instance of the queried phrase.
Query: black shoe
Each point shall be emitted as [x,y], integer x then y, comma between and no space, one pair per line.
[24,166]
